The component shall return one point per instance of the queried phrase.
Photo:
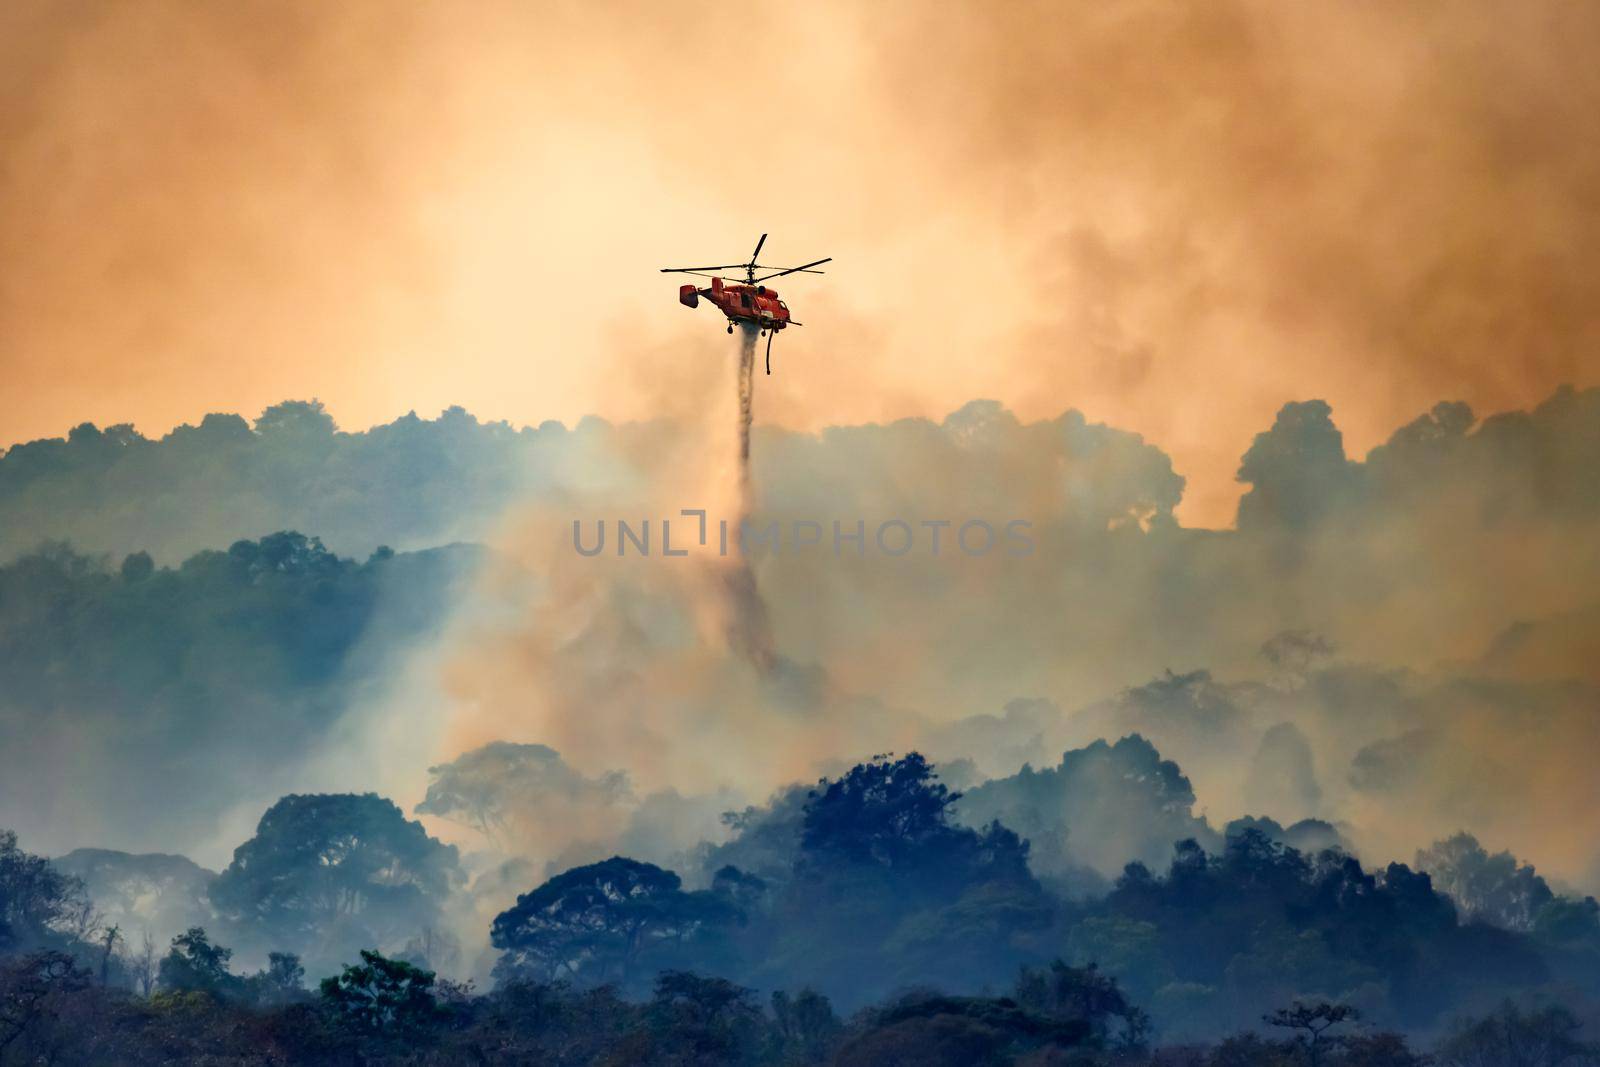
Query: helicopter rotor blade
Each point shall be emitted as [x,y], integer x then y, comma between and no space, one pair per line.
[757,253]
[690,270]
[795,270]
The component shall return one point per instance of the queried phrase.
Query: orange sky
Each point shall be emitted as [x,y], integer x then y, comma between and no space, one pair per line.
[1172,217]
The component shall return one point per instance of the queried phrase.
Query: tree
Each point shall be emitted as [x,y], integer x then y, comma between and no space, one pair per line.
[141,964]
[805,1025]
[36,901]
[883,811]
[1249,1050]
[1085,995]
[1384,1049]
[283,979]
[931,1030]
[485,787]
[1312,1023]
[1101,806]
[28,987]
[382,996]
[1545,1037]
[1492,888]
[1297,470]
[327,870]
[298,420]
[137,566]
[108,944]
[895,816]
[195,965]
[239,662]
[593,924]
[1292,653]
[1567,921]
[433,947]
[885,887]
[703,1020]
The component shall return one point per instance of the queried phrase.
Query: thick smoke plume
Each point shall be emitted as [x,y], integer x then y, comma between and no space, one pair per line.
[1420,596]
[1318,662]
[1170,216]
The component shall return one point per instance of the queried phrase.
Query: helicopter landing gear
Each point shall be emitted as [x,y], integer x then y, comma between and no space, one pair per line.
[730,327]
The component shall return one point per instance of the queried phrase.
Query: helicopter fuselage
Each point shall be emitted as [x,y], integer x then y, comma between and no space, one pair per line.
[754,304]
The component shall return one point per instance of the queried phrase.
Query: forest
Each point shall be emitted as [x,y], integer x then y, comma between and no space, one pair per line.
[1262,796]
[879,888]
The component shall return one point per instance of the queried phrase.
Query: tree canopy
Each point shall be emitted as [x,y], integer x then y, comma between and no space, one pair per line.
[326,872]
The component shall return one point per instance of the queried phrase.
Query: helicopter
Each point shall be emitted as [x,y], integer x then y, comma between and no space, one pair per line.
[749,302]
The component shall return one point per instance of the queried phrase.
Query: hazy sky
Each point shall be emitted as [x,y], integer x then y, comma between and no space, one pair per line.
[1172,217]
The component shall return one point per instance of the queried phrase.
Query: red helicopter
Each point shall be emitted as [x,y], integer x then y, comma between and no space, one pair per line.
[751,302]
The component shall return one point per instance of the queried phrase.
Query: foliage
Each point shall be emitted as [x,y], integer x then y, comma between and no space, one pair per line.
[1311,1024]
[32,988]
[1122,801]
[178,688]
[327,872]
[283,980]
[1084,995]
[156,894]
[887,889]
[1493,888]
[412,481]
[885,812]
[36,899]
[195,965]
[486,786]
[383,996]
[928,1028]
[1512,1037]
[1261,922]
[595,924]
[382,1011]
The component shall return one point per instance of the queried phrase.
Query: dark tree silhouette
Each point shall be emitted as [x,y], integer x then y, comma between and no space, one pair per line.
[36,899]
[283,980]
[195,965]
[1311,1022]
[341,868]
[593,924]
[1085,995]
[1511,1037]
[382,996]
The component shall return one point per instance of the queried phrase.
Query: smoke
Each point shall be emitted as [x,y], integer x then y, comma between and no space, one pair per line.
[1171,217]
[1163,220]
[661,666]
[1365,571]
[1461,550]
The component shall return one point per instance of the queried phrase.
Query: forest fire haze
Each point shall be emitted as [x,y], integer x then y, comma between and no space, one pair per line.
[1268,330]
